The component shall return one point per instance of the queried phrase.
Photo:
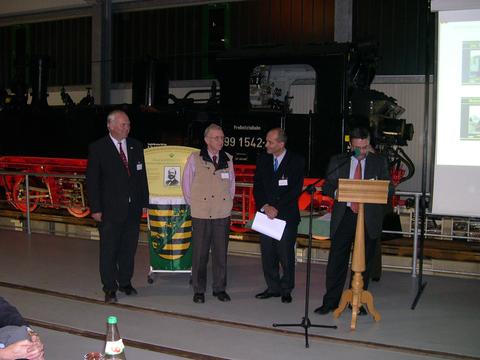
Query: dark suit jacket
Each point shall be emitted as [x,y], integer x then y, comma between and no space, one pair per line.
[266,189]
[376,167]
[109,187]
[9,315]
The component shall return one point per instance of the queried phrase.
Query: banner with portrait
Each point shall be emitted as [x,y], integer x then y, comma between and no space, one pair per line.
[169,218]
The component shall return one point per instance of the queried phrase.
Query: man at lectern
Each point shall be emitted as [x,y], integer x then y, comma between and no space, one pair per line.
[360,163]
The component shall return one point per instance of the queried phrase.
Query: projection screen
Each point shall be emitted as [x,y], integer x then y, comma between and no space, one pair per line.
[456,186]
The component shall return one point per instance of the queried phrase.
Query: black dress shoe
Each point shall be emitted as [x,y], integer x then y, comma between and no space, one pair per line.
[324,309]
[110,297]
[128,290]
[198,298]
[287,298]
[266,295]
[362,311]
[221,295]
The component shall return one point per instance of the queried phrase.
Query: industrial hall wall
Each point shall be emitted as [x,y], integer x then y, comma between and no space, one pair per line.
[188,38]
[67,43]
[185,38]
[398,27]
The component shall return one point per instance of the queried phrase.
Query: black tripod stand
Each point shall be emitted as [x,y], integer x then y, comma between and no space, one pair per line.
[305,323]
[420,284]
[423,200]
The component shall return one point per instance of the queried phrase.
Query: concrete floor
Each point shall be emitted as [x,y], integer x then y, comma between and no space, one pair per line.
[54,282]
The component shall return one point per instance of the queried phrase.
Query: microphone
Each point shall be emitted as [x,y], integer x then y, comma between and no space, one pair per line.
[355,152]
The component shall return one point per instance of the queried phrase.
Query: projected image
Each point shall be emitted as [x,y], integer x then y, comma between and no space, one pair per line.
[470,122]
[471,63]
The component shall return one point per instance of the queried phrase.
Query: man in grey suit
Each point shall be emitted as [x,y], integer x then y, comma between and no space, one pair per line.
[117,193]
[362,165]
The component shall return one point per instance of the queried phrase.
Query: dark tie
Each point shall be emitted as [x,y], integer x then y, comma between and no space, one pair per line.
[356,176]
[123,157]
[214,158]
[275,165]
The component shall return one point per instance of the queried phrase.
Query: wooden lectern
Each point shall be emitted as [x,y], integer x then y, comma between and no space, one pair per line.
[361,192]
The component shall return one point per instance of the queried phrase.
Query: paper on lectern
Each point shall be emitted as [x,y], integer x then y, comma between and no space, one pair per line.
[270,227]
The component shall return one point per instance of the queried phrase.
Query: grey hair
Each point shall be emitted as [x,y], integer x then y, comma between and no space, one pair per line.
[111,117]
[211,127]
[281,135]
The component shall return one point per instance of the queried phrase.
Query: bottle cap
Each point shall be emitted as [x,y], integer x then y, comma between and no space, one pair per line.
[112,319]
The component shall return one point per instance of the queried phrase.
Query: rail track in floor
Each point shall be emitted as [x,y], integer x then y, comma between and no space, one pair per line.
[219,322]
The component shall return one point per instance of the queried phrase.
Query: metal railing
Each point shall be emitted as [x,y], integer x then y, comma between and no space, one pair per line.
[415,234]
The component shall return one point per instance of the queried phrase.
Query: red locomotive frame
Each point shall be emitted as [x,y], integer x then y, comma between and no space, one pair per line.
[57,192]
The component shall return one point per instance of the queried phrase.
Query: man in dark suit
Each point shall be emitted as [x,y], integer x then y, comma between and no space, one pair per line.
[364,164]
[117,193]
[277,186]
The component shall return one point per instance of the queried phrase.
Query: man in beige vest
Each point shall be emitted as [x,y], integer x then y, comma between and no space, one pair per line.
[208,187]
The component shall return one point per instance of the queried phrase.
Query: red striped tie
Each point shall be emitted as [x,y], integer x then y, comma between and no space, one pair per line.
[124,158]
[356,176]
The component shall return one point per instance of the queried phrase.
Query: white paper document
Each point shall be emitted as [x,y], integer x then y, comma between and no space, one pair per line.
[270,227]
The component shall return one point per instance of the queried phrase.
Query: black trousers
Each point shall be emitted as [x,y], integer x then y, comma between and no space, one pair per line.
[279,253]
[339,255]
[118,245]
[209,234]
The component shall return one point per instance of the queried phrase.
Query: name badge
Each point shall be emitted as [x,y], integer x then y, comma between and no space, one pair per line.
[283,182]
[139,166]
[225,175]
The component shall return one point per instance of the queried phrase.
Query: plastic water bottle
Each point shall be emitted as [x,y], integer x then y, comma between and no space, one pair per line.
[114,348]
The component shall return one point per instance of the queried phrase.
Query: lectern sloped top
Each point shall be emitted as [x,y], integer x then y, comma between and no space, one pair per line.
[363,191]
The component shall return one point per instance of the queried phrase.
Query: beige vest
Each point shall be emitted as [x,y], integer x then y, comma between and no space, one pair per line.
[210,193]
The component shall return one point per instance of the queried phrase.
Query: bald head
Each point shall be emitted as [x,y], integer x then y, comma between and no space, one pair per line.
[275,141]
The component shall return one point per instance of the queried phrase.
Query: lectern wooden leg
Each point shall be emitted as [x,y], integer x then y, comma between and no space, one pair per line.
[367,299]
[347,297]
[356,296]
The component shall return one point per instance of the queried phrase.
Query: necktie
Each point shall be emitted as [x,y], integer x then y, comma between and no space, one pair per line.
[356,176]
[123,157]
[275,165]
[214,158]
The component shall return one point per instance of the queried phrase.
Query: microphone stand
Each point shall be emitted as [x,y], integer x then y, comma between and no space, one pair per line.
[306,323]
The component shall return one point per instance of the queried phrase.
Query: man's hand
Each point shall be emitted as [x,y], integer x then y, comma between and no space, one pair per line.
[270,211]
[37,347]
[24,349]
[97,216]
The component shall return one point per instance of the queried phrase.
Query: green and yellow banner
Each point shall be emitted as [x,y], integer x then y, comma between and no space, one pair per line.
[170,237]
[168,215]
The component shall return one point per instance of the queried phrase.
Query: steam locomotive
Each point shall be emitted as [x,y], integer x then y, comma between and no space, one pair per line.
[314,92]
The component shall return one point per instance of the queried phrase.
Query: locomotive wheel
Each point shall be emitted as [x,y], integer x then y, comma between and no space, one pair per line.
[19,196]
[78,211]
